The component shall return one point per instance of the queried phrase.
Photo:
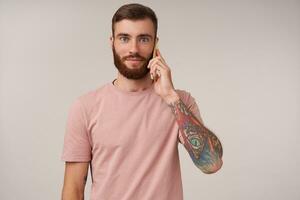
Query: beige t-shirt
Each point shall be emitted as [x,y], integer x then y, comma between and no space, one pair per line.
[131,140]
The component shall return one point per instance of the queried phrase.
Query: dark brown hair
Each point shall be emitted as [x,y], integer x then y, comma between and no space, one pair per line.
[134,11]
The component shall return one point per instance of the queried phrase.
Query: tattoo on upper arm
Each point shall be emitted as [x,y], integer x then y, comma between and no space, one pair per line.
[203,145]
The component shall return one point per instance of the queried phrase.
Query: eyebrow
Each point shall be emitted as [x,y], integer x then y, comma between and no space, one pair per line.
[140,35]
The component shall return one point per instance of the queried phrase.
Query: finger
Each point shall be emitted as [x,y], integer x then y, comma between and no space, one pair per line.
[152,60]
[159,59]
[158,71]
[152,63]
[159,55]
[159,62]
[153,72]
[154,75]
[151,76]
[150,66]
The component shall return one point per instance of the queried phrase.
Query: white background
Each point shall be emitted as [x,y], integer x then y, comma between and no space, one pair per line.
[239,59]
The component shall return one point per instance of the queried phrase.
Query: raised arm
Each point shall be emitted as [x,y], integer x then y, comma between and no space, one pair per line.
[203,146]
[74,180]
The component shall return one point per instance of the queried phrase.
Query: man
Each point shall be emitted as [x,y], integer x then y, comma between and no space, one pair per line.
[128,130]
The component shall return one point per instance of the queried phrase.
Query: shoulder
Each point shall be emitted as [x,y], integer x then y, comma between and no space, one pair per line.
[91,98]
[190,102]
[185,96]
[93,94]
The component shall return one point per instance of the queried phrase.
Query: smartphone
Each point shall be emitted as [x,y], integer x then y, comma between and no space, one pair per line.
[155,48]
[153,56]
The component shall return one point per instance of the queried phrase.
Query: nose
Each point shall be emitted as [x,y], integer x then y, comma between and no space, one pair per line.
[133,47]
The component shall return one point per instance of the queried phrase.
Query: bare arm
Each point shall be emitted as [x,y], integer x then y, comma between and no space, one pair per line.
[75,180]
[203,145]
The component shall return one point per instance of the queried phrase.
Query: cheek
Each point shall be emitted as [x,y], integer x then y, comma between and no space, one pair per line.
[145,51]
[121,51]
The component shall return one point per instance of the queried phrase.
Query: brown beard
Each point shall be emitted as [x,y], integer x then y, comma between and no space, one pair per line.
[138,73]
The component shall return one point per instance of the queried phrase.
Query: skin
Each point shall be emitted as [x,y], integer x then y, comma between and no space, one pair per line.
[202,145]
[74,180]
[132,44]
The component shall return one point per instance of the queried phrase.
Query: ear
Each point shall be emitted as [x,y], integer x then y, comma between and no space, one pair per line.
[111,41]
[157,39]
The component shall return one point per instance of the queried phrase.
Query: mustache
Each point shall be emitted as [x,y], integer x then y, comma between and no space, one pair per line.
[134,56]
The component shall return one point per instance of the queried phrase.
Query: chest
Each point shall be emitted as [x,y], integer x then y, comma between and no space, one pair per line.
[137,124]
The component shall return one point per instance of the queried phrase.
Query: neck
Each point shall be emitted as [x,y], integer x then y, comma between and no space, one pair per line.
[132,85]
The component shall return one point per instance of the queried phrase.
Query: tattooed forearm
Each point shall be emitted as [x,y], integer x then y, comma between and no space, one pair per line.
[203,145]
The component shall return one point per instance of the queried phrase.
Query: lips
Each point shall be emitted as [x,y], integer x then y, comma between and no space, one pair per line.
[134,62]
[133,59]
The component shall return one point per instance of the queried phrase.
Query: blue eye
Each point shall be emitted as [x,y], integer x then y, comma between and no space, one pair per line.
[145,39]
[124,39]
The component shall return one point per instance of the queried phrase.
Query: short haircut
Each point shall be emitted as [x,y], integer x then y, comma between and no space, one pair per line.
[134,11]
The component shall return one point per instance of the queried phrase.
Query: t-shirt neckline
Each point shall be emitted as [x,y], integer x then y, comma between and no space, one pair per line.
[137,93]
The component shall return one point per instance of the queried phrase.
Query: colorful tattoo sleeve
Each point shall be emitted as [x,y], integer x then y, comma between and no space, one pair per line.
[202,145]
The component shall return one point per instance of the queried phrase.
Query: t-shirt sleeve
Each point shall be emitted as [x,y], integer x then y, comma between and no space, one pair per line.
[77,146]
[190,102]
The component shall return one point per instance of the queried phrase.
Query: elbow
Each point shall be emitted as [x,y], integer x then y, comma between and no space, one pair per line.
[216,167]
[212,168]
[71,193]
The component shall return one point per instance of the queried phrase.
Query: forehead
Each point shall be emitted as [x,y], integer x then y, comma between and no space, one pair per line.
[135,27]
